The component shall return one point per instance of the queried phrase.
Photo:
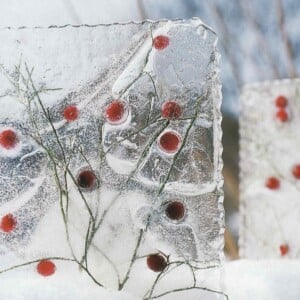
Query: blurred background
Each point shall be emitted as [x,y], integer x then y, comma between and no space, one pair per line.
[258,41]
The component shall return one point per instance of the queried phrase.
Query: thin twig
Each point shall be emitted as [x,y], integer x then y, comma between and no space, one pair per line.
[187,289]
[218,16]
[35,261]
[247,9]
[286,40]
[184,141]
[133,259]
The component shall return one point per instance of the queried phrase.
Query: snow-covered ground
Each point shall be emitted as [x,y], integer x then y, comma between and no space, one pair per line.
[243,280]
[262,279]
[25,284]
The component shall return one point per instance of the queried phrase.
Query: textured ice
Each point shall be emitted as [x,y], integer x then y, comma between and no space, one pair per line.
[90,173]
[269,154]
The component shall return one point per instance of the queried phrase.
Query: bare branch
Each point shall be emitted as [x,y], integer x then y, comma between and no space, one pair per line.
[141,9]
[249,14]
[292,72]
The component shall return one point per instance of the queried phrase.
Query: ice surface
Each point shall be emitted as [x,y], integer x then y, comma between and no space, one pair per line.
[270,149]
[91,177]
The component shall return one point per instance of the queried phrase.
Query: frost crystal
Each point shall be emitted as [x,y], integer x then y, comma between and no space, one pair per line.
[270,169]
[110,155]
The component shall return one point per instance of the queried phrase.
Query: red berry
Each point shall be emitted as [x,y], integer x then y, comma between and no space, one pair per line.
[8,223]
[272,183]
[160,42]
[282,115]
[8,139]
[115,112]
[156,262]
[296,171]
[175,210]
[87,179]
[71,113]
[171,110]
[46,268]
[281,101]
[284,249]
[169,142]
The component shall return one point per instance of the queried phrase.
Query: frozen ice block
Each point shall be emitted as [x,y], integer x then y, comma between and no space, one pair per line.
[270,170]
[110,156]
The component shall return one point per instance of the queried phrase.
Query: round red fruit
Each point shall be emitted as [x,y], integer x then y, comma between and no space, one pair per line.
[272,183]
[71,113]
[282,115]
[8,223]
[115,112]
[161,42]
[281,101]
[284,249]
[46,268]
[169,142]
[171,110]
[156,262]
[175,210]
[87,179]
[8,139]
[296,171]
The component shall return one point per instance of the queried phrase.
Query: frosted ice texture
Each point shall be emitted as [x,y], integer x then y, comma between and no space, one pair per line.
[110,229]
[269,148]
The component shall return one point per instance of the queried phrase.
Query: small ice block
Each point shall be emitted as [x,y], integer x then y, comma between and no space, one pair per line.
[270,170]
[110,155]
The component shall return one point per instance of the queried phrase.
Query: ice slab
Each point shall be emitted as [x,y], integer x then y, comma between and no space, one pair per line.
[270,170]
[110,154]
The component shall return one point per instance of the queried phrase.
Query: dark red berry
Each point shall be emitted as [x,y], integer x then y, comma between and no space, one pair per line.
[284,249]
[175,210]
[71,113]
[272,183]
[160,42]
[156,262]
[169,142]
[8,139]
[282,115]
[87,179]
[296,171]
[115,112]
[8,223]
[281,101]
[171,110]
[46,268]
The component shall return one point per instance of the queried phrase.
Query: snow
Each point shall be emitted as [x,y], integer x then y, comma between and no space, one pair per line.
[67,283]
[243,279]
[262,279]
[30,13]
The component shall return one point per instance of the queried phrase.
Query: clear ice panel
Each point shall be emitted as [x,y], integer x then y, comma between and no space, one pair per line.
[110,155]
[270,170]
